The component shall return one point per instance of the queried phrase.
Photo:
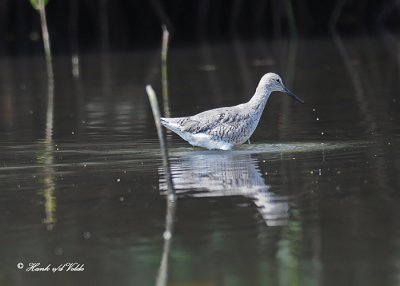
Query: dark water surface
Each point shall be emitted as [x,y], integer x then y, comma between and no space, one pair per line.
[314,200]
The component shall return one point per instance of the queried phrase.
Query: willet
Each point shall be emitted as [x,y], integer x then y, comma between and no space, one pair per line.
[222,128]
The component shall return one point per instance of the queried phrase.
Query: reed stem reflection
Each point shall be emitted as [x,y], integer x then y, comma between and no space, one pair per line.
[47,159]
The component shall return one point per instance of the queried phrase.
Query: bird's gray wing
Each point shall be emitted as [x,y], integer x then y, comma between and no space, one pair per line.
[205,121]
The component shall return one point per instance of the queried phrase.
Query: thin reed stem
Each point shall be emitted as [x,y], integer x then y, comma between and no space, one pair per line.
[171,200]
[161,136]
[46,39]
[164,70]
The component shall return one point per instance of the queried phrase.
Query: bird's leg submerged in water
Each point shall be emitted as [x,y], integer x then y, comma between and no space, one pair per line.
[248,141]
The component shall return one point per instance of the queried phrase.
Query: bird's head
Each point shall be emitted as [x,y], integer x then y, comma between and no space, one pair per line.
[273,82]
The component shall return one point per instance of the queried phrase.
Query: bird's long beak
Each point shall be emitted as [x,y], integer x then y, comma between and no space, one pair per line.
[291,94]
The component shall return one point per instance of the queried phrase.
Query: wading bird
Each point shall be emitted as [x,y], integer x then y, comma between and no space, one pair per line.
[222,128]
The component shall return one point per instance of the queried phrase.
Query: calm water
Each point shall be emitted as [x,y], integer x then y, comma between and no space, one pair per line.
[314,200]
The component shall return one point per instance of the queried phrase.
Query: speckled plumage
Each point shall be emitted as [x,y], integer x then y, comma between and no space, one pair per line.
[222,128]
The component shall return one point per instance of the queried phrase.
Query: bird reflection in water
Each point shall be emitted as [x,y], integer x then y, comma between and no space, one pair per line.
[216,174]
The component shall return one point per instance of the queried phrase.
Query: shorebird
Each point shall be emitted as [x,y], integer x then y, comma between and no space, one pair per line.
[224,127]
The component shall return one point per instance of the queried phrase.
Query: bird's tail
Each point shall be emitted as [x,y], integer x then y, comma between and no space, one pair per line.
[170,124]
[164,122]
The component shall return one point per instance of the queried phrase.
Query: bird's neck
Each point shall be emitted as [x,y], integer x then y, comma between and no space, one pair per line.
[260,98]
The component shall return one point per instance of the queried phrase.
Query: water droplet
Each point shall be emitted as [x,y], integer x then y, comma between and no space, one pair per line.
[118,180]
[313,109]
[322,133]
[121,199]
[86,235]
[72,132]
[317,118]
[311,172]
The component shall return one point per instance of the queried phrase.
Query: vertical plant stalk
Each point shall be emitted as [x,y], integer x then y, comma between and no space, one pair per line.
[161,136]
[290,68]
[48,193]
[46,39]
[354,74]
[74,38]
[50,110]
[164,70]
[291,18]
[171,200]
